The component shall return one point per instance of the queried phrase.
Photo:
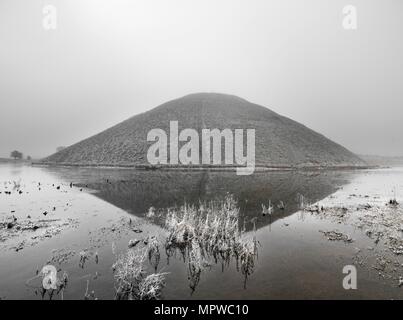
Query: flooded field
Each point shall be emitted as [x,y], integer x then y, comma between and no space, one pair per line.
[291,233]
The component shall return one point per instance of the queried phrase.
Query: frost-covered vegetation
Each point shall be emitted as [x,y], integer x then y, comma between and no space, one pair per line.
[209,232]
[133,282]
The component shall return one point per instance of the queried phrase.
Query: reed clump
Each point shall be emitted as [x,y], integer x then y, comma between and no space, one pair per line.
[153,252]
[133,282]
[150,287]
[209,231]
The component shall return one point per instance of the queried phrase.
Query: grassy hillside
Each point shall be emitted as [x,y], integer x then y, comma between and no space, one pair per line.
[279,141]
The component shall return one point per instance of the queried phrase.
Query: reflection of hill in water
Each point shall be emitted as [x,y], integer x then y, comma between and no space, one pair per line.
[137,191]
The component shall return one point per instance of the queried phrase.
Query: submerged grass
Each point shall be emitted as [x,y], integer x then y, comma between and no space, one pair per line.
[209,231]
[150,287]
[132,280]
[153,252]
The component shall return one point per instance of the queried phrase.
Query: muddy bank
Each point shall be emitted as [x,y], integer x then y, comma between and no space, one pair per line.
[30,232]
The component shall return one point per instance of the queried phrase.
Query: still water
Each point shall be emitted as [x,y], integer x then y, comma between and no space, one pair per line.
[295,260]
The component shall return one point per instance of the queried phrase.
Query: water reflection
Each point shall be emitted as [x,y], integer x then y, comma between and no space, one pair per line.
[137,191]
[261,198]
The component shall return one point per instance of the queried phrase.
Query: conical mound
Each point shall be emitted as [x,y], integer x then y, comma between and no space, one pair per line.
[280,142]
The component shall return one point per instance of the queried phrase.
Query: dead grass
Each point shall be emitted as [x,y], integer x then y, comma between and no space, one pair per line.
[132,280]
[150,288]
[208,232]
[153,252]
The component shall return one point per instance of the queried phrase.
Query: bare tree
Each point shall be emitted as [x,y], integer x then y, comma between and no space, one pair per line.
[16,155]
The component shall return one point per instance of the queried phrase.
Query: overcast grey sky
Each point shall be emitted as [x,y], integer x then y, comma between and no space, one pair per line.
[109,60]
